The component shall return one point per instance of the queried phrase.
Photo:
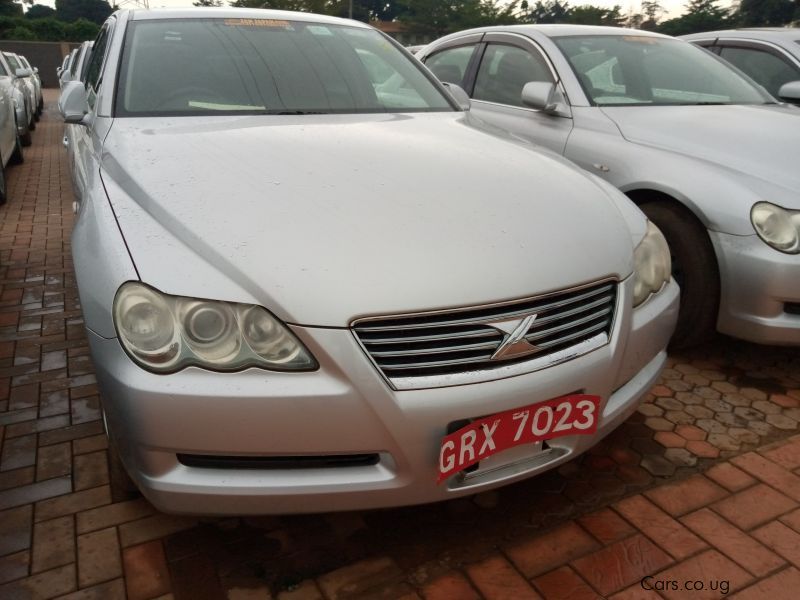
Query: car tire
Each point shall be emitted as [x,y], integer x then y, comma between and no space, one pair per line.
[32,126]
[17,157]
[26,138]
[694,267]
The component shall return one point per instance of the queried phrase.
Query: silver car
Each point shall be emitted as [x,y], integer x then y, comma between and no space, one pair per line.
[37,84]
[769,55]
[10,143]
[19,97]
[23,74]
[709,156]
[304,294]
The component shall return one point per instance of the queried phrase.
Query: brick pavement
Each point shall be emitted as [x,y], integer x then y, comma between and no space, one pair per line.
[689,488]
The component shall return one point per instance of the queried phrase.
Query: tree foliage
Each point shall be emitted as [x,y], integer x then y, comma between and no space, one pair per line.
[96,11]
[40,11]
[700,15]
[48,29]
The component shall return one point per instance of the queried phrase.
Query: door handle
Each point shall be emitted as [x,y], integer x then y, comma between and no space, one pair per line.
[65,141]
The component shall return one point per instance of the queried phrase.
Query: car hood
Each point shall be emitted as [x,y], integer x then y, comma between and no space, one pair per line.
[326,218]
[758,141]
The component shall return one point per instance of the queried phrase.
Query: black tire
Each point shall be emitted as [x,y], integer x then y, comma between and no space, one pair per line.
[17,157]
[694,267]
[26,139]
[32,126]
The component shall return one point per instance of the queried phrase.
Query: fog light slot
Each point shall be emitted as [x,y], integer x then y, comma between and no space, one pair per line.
[327,461]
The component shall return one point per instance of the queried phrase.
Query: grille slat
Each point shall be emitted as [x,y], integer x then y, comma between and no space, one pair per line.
[463,341]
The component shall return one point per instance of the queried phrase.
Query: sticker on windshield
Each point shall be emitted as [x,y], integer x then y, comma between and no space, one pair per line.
[641,39]
[258,23]
[319,30]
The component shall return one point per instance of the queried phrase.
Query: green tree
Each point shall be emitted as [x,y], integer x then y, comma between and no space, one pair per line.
[700,15]
[652,11]
[588,14]
[549,11]
[92,10]
[20,33]
[49,30]
[40,11]
[766,13]
[439,18]
[209,3]
[81,30]
[9,8]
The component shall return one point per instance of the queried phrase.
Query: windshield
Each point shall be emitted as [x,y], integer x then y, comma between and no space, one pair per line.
[644,70]
[266,66]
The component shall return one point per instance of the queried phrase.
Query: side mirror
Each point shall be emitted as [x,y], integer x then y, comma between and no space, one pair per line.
[544,96]
[790,92]
[459,94]
[65,76]
[22,72]
[73,104]
[36,70]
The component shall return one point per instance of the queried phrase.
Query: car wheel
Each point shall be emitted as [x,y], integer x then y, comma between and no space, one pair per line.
[694,268]
[32,126]
[26,138]
[17,158]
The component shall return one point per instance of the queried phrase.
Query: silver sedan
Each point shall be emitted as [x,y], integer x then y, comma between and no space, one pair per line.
[305,293]
[710,157]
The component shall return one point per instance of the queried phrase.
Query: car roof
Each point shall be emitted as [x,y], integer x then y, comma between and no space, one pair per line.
[558,30]
[236,13]
[765,33]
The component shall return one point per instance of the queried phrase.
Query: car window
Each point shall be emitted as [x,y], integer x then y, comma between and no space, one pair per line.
[94,68]
[450,65]
[3,71]
[12,62]
[645,70]
[198,66]
[504,71]
[765,68]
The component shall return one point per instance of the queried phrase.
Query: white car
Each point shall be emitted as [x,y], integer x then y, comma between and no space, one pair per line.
[19,101]
[37,84]
[22,74]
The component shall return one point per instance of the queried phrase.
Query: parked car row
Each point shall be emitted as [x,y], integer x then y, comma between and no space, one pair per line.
[21,104]
[314,277]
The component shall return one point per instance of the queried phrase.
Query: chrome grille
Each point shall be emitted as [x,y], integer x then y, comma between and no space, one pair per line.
[462,340]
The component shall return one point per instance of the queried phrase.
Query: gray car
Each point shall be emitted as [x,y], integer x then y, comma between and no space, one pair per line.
[303,293]
[770,55]
[708,155]
[20,99]
[37,84]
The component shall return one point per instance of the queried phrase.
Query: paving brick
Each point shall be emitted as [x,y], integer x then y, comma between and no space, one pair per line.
[564,584]
[16,478]
[732,542]
[545,552]
[496,579]
[730,477]
[710,569]
[72,432]
[14,566]
[90,444]
[680,497]
[90,470]
[619,565]
[35,491]
[358,578]
[781,539]
[780,586]
[113,514]
[18,452]
[754,506]
[98,557]
[48,584]
[146,573]
[72,503]
[660,527]
[305,590]
[110,590]
[53,544]
[770,473]
[152,528]
[450,586]
[53,461]
[606,525]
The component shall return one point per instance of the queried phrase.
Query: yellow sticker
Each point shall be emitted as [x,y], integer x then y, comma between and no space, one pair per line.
[641,39]
[257,23]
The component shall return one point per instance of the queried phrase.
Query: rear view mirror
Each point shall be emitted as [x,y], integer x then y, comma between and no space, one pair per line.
[546,97]
[36,70]
[65,76]
[22,72]
[459,94]
[790,92]
[73,104]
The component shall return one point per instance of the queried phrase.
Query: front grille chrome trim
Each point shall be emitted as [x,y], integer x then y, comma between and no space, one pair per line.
[459,346]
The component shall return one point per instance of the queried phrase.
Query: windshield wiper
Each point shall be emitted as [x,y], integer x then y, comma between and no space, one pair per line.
[295,112]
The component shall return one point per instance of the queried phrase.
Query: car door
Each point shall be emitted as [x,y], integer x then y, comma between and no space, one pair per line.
[766,65]
[88,139]
[8,126]
[507,62]
[455,61]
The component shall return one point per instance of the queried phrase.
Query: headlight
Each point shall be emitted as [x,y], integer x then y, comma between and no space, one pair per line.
[165,333]
[652,264]
[778,227]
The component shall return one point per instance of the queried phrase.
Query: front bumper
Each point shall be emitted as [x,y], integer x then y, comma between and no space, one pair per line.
[758,286]
[346,407]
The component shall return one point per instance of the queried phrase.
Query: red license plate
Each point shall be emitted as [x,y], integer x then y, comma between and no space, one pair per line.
[575,414]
